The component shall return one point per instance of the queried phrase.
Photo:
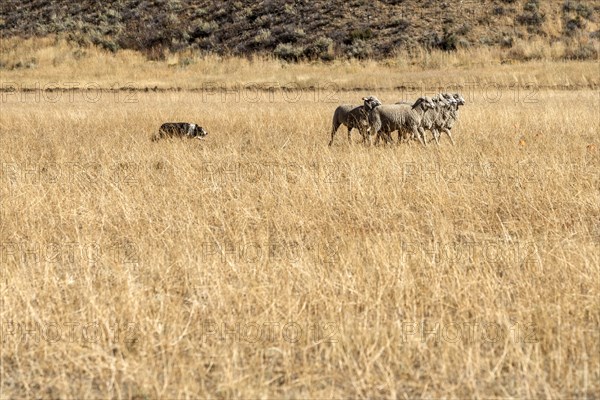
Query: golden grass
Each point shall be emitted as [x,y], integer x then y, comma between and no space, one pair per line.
[467,271]
[56,63]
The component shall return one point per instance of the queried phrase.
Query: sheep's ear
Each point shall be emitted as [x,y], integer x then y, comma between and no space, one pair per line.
[417,103]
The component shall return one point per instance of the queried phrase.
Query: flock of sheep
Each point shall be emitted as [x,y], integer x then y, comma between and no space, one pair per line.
[435,114]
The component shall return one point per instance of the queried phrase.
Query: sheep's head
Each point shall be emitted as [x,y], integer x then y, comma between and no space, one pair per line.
[423,103]
[440,101]
[371,102]
[448,97]
[450,100]
[459,99]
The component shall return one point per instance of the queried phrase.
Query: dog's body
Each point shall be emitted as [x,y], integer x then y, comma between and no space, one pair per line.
[180,129]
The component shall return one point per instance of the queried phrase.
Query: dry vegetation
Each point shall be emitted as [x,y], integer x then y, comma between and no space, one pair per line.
[261,263]
[55,63]
[310,30]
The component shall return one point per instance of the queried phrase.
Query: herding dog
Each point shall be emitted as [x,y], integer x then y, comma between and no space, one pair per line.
[179,129]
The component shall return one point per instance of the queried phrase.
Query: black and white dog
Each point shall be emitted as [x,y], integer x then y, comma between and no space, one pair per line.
[180,129]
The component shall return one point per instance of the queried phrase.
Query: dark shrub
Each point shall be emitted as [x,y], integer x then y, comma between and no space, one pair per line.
[583,52]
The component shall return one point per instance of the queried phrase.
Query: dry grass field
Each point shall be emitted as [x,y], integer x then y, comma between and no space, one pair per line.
[261,263]
[51,63]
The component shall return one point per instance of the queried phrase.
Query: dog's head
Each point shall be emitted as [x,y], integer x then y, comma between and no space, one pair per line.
[199,132]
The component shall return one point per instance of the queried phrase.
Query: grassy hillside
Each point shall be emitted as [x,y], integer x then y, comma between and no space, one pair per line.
[304,29]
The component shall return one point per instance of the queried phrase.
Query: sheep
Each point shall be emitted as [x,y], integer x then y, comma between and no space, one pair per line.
[450,114]
[352,117]
[434,118]
[431,114]
[385,119]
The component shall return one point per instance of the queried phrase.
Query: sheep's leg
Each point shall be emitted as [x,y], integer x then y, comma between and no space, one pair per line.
[436,136]
[407,136]
[402,136]
[369,138]
[414,135]
[367,132]
[380,136]
[364,133]
[385,136]
[388,138]
[334,129]
[449,135]
[349,137]
[420,133]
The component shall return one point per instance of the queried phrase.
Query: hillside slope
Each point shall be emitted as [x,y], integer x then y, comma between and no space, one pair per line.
[302,29]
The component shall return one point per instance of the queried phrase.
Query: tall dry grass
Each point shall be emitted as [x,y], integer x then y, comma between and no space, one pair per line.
[261,263]
[52,62]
